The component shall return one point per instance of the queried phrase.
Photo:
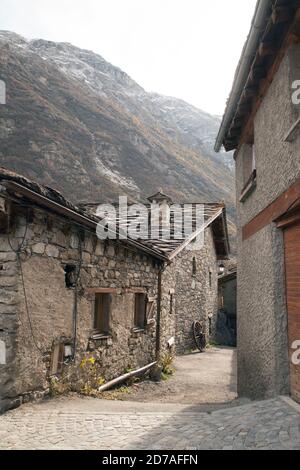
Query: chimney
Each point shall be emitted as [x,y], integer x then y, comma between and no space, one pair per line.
[160,212]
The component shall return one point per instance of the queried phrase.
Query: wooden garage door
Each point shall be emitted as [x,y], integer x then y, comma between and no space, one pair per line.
[292,266]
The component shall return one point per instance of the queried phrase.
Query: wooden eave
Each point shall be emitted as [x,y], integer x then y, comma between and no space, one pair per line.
[282,30]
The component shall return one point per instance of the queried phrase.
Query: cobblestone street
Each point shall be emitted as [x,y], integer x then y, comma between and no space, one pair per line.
[77,423]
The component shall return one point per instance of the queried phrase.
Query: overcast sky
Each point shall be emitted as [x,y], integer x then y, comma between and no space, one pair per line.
[183,48]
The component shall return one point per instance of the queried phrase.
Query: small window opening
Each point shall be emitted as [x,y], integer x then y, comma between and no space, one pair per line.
[194,268]
[102,314]
[210,279]
[249,163]
[70,276]
[140,311]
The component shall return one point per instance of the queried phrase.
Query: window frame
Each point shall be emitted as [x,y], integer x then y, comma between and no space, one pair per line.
[101,326]
[140,317]
[249,181]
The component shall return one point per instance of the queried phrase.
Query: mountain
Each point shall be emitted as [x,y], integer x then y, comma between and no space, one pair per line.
[81,125]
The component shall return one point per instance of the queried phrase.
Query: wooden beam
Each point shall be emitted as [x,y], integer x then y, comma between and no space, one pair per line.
[289,219]
[291,37]
[243,109]
[282,15]
[257,73]
[101,290]
[272,212]
[230,145]
[238,121]
[249,93]
[234,131]
[266,48]
[195,234]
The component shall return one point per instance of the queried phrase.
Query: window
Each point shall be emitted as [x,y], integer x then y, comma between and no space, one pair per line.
[248,162]
[140,311]
[210,279]
[194,269]
[70,276]
[249,171]
[102,313]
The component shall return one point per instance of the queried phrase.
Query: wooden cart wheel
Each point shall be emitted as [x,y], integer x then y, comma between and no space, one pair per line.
[199,336]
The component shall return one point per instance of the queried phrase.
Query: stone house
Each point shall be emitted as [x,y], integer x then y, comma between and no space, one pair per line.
[69,300]
[262,124]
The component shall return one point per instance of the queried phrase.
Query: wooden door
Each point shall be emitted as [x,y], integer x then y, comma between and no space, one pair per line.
[292,266]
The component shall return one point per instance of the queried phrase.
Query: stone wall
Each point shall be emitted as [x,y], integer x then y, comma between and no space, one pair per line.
[50,244]
[196,293]
[262,320]
[277,162]
[8,322]
[262,333]
[31,325]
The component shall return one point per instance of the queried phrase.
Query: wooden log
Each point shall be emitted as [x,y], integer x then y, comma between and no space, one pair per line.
[124,377]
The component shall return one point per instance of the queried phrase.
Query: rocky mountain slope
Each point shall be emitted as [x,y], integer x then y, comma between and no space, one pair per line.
[77,123]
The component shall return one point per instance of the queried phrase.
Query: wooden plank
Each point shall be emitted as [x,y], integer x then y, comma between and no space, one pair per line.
[272,212]
[101,290]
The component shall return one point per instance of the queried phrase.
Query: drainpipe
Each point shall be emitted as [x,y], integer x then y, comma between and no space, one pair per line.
[262,10]
[158,316]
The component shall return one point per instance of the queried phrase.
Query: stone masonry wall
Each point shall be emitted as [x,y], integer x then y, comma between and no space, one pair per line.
[50,244]
[8,321]
[262,319]
[196,294]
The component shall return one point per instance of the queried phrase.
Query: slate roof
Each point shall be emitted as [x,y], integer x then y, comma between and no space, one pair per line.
[214,216]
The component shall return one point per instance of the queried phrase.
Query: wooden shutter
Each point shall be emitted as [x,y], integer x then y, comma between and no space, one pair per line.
[102,313]
[150,310]
[57,358]
[292,266]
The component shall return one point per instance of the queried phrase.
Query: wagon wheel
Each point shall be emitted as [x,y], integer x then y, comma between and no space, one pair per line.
[199,336]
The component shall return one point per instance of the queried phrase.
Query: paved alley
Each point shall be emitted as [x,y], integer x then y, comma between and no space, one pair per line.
[79,423]
[195,409]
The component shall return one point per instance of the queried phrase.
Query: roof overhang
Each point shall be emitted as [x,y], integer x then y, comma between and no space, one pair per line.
[70,214]
[273,22]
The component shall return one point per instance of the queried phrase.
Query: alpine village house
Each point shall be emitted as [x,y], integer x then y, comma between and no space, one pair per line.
[76,311]
[262,124]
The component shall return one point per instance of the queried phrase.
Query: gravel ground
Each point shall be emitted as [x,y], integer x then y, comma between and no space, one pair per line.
[208,378]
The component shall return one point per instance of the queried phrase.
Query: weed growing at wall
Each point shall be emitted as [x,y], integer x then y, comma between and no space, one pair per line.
[90,377]
[167,369]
